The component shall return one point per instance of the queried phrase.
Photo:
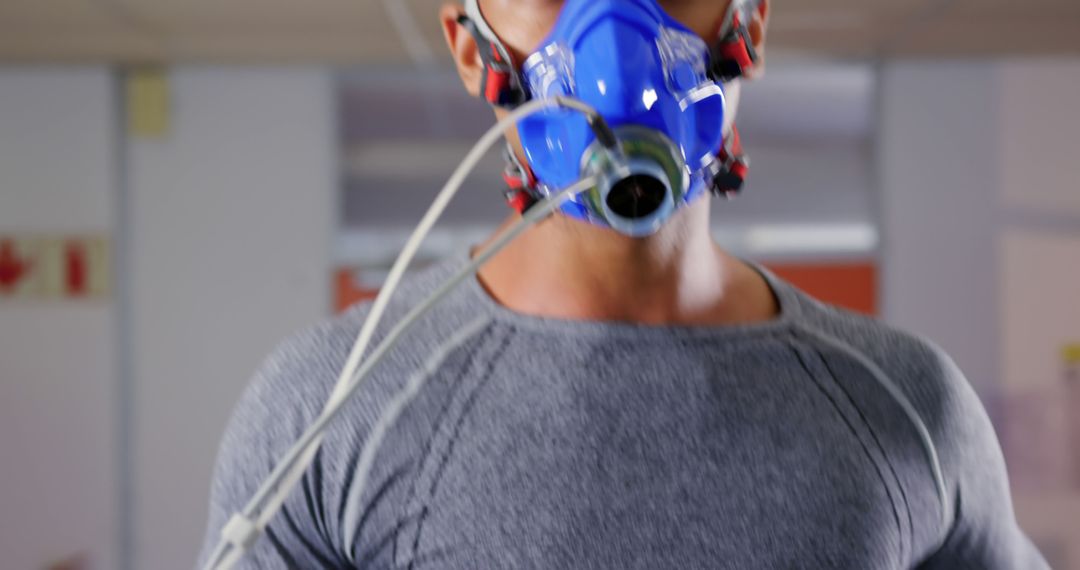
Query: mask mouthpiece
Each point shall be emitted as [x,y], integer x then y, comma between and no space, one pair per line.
[638,183]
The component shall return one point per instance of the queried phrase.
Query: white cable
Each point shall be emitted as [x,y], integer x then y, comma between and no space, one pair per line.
[230,560]
[538,212]
[286,482]
[232,555]
[391,412]
[409,33]
[472,10]
[221,555]
[290,469]
[397,271]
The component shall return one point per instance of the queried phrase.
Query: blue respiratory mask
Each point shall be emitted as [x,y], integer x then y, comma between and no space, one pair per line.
[651,79]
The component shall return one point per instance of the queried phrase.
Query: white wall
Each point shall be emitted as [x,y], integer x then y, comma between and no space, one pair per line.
[981,229]
[58,460]
[804,182]
[233,217]
[967,151]
[1039,304]
[1040,142]
[939,169]
[1040,203]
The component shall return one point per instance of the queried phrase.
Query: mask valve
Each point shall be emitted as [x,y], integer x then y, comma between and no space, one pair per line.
[639,180]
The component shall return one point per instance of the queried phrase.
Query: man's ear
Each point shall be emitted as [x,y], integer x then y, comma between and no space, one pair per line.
[462,47]
[758,26]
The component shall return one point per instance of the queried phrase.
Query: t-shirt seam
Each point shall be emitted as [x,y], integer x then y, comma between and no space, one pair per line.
[650,333]
[422,460]
[467,408]
[881,448]
[847,421]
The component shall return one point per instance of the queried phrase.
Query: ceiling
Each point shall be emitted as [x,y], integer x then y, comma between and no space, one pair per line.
[394,32]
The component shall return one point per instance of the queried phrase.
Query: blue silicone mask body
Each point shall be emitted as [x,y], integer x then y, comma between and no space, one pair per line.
[639,68]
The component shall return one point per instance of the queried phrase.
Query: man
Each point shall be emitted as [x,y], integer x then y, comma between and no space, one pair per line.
[627,402]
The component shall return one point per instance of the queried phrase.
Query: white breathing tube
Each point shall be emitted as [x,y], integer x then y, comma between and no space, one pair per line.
[244,528]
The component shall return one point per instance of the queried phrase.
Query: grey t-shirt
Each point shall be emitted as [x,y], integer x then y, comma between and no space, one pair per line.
[542,443]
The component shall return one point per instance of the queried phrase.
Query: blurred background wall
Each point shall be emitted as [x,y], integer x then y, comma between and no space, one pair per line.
[183,184]
[59,397]
[231,227]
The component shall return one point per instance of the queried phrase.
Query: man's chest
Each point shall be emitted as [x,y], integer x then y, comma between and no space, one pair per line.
[702,473]
[602,512]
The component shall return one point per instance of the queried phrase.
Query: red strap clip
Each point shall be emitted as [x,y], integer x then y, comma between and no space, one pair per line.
[734,54]
[521,184]
[500,84]
[496,85]
[732,167]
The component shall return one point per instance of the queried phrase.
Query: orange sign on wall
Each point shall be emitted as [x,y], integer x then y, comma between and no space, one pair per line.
[349,291]
[851,285]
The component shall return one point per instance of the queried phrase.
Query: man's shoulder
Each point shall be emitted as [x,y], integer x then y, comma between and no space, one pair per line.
[303,368]
[295,379]
[922,368]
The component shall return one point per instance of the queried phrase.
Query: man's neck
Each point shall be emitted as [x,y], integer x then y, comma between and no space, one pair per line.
[567,269]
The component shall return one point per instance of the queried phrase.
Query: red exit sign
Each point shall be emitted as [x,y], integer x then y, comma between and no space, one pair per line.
[43,267]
